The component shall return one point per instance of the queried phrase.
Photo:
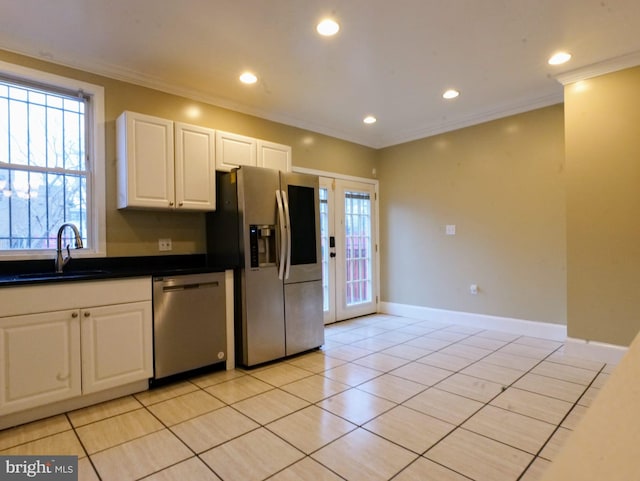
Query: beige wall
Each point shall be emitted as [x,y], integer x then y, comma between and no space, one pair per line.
[502,184]
[534,253]
[602,131]
[132,233]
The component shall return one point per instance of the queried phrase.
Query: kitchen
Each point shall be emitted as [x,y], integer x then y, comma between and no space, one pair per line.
[136,233]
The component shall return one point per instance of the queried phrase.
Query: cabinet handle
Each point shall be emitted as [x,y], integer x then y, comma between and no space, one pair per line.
[87,314]
[61,377]
[171,203]
[74,314]
[180,204]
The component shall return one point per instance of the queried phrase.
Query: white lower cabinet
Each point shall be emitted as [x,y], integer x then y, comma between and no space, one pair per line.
[40,355]
[116,345]
[73,350]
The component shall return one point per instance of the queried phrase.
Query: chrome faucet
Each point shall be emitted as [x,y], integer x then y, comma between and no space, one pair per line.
[61,261]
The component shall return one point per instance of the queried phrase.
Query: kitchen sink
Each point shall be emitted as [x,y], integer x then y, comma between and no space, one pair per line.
[61,275]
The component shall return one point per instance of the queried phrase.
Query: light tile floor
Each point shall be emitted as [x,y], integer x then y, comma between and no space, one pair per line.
[385,398]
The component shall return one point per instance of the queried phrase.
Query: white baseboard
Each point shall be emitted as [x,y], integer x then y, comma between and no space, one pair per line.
[599,351]
[59,407]
[546,330]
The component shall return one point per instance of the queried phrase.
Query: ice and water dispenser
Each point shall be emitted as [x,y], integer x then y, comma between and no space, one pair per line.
[262,244]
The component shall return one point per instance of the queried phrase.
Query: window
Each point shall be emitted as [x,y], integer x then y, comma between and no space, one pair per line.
[51,162]
[358,255]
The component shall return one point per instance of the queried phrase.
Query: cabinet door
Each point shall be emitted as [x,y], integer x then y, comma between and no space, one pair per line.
[116,345]
[195,167]
[145,161]
[233,150]
[40,359]
[274,156]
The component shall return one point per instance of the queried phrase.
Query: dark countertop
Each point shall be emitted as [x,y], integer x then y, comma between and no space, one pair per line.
[19,273]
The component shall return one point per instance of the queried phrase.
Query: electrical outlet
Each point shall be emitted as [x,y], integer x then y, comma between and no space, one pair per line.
[473,289]
[450,229]
[164,244]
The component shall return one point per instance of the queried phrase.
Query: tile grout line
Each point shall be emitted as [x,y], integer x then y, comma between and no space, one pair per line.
[357,426]
[419,455]
[75,433]
[460,426]
[353,362]
[315,404]
[459,341]
[558,426]
[169,428]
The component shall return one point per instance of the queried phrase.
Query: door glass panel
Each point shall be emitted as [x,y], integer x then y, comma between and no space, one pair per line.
[303,224]
[357,209]
[324,239]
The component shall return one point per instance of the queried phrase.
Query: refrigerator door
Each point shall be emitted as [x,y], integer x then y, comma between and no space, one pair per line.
[301,192]
[305,325]
[262,333]
[303,271]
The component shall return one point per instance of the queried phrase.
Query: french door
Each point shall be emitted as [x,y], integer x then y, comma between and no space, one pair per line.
[349,248]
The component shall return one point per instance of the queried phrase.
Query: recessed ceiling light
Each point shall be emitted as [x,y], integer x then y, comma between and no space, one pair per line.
[328,27]
[248,78]
[450,94]
[559,58]
[369,119]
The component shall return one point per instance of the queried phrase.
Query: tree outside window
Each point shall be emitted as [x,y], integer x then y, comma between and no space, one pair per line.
[43,171]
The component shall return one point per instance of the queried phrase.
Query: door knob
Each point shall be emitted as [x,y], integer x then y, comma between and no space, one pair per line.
[332,254]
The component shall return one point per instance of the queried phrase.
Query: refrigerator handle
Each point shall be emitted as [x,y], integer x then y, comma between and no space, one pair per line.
[285,201]
[283,245]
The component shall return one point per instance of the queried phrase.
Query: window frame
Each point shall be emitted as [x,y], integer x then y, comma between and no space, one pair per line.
[95,144]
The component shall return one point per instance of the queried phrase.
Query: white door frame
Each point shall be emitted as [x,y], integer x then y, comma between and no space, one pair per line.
[375,227]
[329,271]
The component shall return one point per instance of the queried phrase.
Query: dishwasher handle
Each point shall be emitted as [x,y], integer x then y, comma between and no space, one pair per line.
[186,281]
[167,287]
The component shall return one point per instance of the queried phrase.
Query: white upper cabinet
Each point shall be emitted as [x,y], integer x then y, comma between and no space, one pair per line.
[234,150]
[274,156]
[164,165]
[145,161]
[195,169]
[169,165]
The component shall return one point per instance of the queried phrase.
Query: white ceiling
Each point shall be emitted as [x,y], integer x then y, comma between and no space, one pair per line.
[392,59]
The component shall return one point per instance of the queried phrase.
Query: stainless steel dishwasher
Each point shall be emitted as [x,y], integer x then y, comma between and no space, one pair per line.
[189,326]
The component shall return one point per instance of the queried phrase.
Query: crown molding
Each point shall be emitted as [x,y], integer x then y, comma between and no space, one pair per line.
[114,72]
[600,68]
[501,111]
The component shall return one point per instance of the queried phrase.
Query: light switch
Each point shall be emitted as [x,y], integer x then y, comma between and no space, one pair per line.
[451,229]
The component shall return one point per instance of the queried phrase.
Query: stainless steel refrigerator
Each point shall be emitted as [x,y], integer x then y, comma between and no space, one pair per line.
[267,227]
